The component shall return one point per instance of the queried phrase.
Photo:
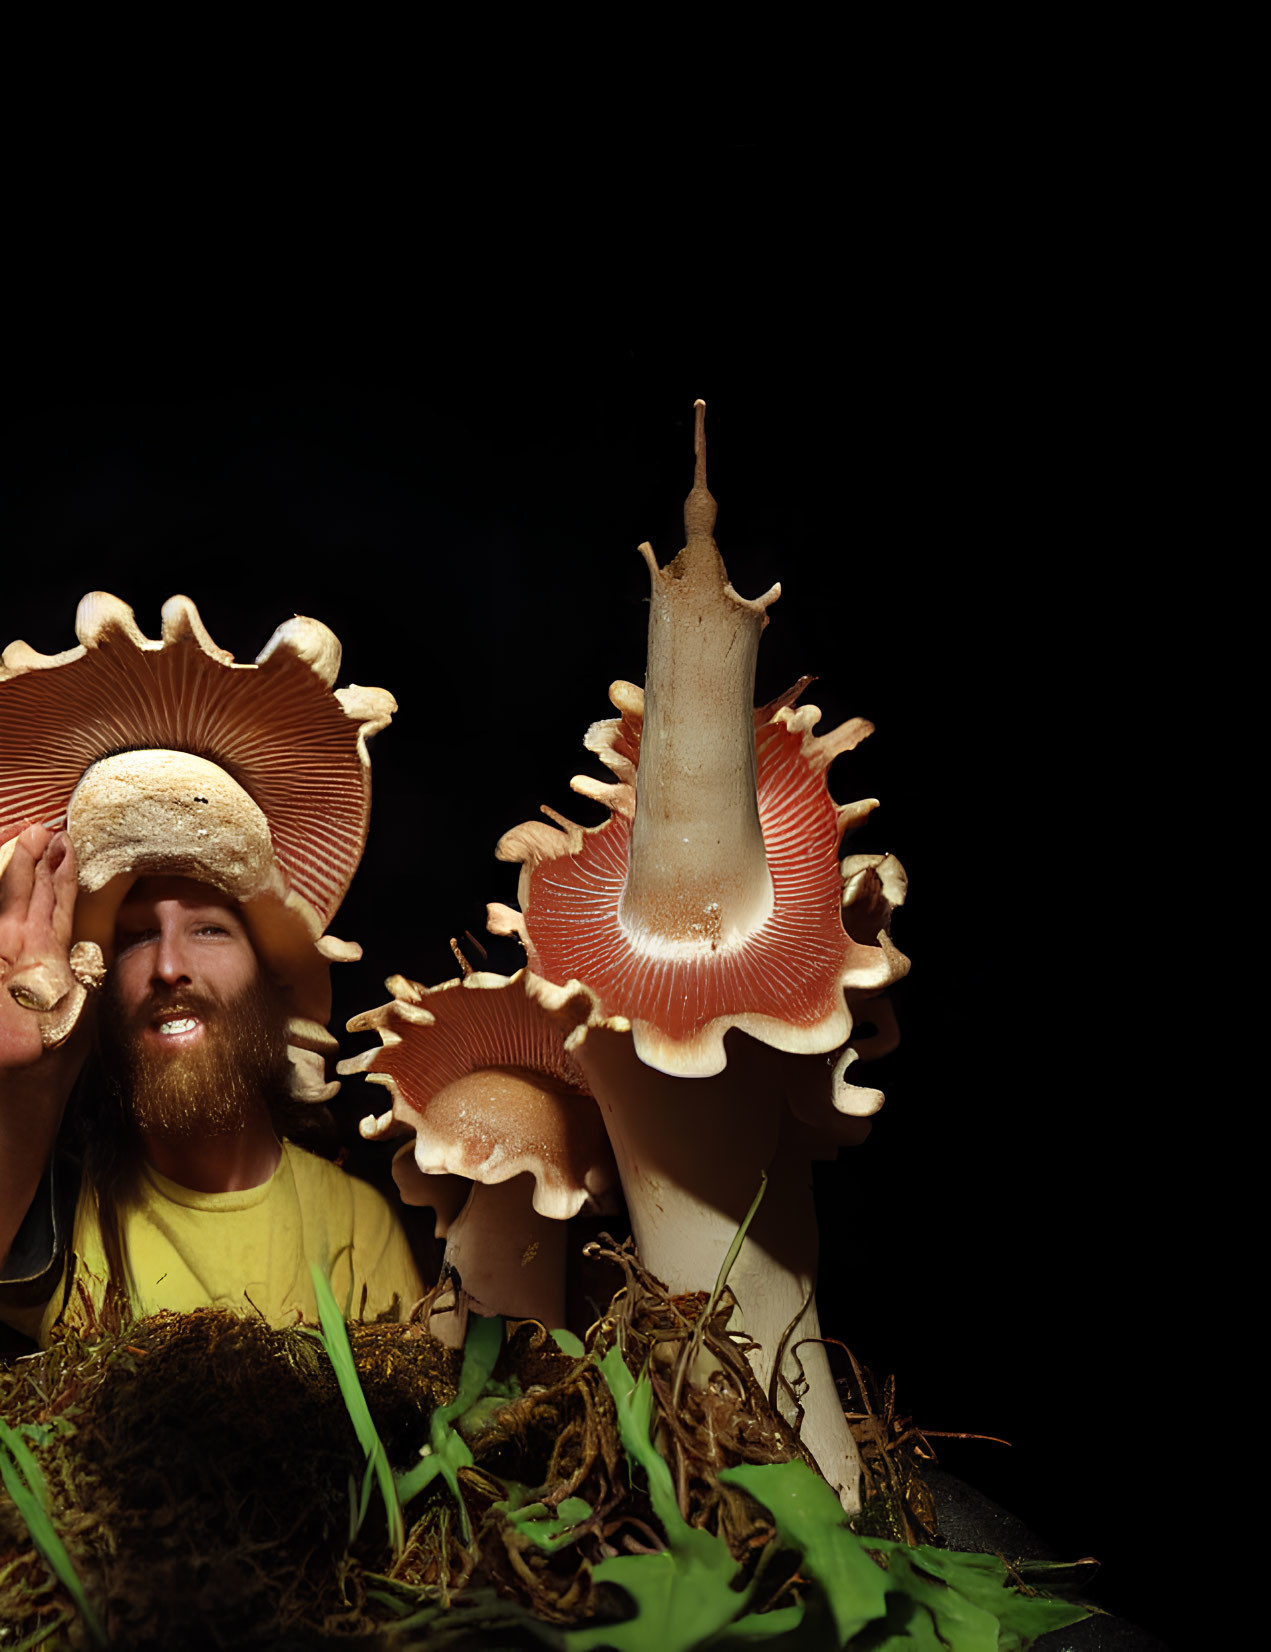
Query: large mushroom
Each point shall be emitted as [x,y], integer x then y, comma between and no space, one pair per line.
[705,918]
[166,756]
[506,1142]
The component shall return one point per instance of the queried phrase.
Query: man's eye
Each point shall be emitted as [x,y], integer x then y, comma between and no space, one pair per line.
[212,929]
[127,938]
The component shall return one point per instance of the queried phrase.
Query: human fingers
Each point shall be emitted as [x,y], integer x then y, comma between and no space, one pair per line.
[35,839]
[17,877]
[40,974]
[40,902]
[34,936]
[60,858]
[58,845]
[27,846]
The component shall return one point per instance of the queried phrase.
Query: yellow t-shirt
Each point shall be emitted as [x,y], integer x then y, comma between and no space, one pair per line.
[249,1250]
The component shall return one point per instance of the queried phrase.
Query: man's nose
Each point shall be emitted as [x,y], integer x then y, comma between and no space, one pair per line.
[170,964]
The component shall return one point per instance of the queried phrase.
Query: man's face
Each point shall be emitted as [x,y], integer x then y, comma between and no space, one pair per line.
[191,1027]
[178,942]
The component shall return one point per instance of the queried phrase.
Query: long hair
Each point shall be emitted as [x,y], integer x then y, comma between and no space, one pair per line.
[101,1134]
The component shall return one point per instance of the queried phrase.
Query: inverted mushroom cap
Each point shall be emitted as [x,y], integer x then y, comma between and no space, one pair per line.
[479,1073]
[786,983]
[164,756]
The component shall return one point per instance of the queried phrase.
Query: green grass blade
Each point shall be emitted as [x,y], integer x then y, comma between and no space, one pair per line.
[26,1486]
[335,1338]
[739,1239]
[480,1355]
[693,1346]
[37,1637]
[31,1471]
[447,1451]
[364,1501]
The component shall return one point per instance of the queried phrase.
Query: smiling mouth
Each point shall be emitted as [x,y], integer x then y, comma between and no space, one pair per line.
[177,1024]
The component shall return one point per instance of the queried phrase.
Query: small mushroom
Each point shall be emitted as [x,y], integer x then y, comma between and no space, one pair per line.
[506,1141]
[705,917]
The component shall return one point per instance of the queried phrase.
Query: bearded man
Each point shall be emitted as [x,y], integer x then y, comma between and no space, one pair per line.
[188,1197]
[149,1143]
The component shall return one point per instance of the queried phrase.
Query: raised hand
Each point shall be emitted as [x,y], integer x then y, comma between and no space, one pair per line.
[43,980]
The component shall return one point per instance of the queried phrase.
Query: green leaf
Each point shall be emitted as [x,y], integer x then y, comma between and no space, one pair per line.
[549,1531]
[568,1343]
[444,1459]
[982,1583]
[633,1401]
[959,1622]
[763,1626]
[932,1600]
[680,1602]
[335,1339]
[912,1630]
[480,1355]
[809,1518]
[447,1451]
[40,1434]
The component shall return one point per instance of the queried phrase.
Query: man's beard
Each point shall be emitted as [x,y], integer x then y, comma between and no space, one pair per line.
[230,1076]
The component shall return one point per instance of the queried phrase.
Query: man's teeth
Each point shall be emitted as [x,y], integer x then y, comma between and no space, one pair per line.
[183,1023]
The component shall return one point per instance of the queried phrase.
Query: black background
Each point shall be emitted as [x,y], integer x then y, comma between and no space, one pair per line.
[441,423]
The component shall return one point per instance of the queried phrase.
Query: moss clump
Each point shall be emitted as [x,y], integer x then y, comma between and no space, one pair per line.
[200,1466]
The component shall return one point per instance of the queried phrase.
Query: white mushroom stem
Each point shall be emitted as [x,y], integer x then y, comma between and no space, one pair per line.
[691,1152]
[698,876]
[510,1260]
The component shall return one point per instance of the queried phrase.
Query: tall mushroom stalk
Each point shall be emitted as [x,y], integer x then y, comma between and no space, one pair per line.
[705,919]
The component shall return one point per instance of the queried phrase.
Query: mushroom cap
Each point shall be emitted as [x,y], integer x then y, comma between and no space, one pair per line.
[164,756]
[790,983]
[479,1073]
